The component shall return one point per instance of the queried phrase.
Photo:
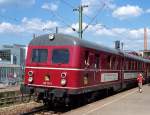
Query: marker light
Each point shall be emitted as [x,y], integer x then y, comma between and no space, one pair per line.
[63,74]
[30,73]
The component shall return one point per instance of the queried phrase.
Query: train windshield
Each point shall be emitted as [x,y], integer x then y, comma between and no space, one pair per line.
[39,55]
[60,56]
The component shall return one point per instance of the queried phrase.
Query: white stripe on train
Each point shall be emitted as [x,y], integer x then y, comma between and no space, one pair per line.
[77,69]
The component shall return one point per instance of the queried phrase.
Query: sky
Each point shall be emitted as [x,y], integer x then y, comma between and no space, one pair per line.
[106,20]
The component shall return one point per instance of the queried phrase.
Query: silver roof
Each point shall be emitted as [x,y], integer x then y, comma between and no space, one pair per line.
[62,39]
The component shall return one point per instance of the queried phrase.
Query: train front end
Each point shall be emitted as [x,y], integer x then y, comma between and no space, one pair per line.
[50,68]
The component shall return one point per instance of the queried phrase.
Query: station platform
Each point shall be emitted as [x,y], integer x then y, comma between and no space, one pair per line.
[129,102]
[9,89]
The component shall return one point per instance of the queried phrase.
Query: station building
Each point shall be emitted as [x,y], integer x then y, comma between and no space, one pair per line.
[12,61]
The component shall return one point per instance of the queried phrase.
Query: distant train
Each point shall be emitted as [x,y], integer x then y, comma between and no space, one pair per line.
[62,68]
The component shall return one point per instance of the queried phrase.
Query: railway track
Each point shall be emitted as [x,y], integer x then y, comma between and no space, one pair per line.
[32,108]
[35,110]
[18,109]
[42,110]
[6,101]
[48,110]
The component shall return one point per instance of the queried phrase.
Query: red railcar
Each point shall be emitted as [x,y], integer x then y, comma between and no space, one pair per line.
[61,67]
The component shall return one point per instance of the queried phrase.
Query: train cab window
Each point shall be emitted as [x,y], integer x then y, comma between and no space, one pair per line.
[39,55]
[60,56]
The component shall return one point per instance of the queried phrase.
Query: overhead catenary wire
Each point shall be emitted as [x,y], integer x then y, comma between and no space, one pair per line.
[9,18]
[59,17]
[67,3]
[72,7]
[92,19]
[100,9]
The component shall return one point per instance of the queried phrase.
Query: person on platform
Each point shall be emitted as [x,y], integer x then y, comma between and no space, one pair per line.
[140,80]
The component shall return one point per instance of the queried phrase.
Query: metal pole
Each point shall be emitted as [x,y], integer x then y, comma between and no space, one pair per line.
[56,30]
[80,10]
[80,21]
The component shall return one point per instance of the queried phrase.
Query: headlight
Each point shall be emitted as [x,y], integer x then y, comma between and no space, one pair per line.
[85,80]
[30,79]
[63,82]
[47,78]
[30,73]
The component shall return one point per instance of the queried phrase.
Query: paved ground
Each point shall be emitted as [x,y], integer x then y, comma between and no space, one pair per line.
[130,102]
[9,88]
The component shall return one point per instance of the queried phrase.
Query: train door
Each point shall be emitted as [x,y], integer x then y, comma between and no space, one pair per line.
[91,65]
[87,76]
[96,66]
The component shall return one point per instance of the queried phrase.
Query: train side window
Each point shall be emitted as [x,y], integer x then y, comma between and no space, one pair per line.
[141,65]
[135,63]
[103,61]
[127,64]
[109,62]
[138,65]
[96,61]
[87,58]
[114,63]
[130,65]
[91,60]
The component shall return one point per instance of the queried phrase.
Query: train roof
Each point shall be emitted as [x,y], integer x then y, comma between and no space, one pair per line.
[62,39]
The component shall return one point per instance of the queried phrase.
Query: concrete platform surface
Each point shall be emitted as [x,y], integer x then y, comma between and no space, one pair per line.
[9,88]
[129,102]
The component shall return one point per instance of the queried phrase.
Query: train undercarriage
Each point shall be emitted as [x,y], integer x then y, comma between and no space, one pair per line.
[56,97]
